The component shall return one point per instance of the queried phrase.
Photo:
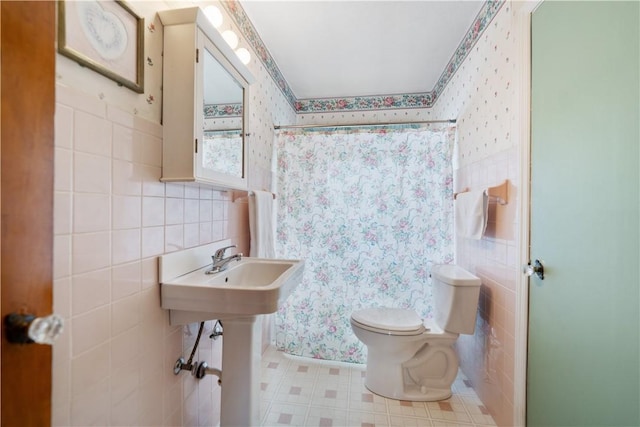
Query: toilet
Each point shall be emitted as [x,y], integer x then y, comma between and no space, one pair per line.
[410,359]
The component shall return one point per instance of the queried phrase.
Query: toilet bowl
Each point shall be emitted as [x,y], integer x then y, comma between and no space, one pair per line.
[408,358]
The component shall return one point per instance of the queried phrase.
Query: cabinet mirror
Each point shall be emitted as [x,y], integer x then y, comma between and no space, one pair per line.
[205,104]
[223,138]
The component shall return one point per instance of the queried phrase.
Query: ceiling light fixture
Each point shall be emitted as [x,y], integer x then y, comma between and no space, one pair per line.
[231,38]
[214,15]
[243,55]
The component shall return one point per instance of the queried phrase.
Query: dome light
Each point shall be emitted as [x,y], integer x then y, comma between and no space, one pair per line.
[214,15]
[243,55]
[231,38]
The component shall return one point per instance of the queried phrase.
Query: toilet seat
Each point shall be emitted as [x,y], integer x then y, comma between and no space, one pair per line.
[389,321]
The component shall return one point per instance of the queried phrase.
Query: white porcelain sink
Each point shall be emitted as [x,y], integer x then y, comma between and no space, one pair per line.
[247,287]
[239,295]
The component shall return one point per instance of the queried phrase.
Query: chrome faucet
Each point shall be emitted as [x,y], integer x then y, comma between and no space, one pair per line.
[220,263]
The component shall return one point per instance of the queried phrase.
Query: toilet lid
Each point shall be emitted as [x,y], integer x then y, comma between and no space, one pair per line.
[392,319]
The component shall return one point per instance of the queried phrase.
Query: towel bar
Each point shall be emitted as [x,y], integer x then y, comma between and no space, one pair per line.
[244,199]
[497,192]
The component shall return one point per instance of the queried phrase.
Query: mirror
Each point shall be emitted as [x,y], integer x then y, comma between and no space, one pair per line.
[223,142]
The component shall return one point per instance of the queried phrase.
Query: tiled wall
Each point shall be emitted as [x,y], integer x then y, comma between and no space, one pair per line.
[484,96]
[113,218]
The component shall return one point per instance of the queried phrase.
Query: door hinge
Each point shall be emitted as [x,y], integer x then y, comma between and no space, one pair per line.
[196,145]
[197,55]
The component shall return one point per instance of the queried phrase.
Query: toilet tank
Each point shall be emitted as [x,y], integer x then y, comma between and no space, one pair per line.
[456,293]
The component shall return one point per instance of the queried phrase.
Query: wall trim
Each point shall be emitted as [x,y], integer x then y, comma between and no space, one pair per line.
[522,13]
[363,103]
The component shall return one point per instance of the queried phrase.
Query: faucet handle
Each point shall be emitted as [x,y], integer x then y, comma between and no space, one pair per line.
[220,252]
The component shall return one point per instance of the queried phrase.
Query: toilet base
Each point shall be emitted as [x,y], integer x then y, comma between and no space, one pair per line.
[414,394]
[425,375]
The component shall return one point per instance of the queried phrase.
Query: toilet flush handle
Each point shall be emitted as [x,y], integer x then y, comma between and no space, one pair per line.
[537,268]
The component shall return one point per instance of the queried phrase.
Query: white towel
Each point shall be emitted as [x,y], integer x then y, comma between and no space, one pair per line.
[471,211]
[261,225]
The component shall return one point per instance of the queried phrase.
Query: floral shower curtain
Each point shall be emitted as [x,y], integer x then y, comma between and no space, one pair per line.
[369,210]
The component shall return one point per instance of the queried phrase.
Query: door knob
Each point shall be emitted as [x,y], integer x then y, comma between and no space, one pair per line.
[27,329]
[537,268]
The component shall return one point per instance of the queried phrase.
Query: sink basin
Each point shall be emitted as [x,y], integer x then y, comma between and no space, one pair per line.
[248,287]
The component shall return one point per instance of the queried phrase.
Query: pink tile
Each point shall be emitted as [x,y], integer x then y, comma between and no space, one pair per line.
[90,329]
[127,178]
[63,170]
[303,368]
[63,126]
[91,212]
[127,212]
[152,211]
[91,251]
[326,422]
[124,314]
[334,371]
[151,150]
[122,347]
[61,256]
[62,213]
[126,245]
[89,369]
[152,241]
[330,394]
[285,419]
[124,147]
[90,291]
[125,280]
[91,173]
[151,185]
[295,390]
[273,365]
[92,134]
[174,210]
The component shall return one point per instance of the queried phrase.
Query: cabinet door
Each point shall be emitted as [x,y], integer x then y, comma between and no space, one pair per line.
[221,150]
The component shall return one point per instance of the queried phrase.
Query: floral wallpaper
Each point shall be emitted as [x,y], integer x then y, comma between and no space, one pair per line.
[369,211]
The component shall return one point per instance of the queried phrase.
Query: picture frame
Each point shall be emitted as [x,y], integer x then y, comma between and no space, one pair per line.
[106,36]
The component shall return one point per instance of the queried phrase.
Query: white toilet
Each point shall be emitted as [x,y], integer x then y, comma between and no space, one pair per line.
[408,359]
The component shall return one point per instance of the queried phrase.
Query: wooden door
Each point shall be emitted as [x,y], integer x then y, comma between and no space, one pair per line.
[27,34]
[583,363]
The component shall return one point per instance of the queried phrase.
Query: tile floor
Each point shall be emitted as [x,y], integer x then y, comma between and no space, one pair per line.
[298,391]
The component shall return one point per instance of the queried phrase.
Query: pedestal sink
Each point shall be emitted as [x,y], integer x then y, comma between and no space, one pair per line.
[247,289]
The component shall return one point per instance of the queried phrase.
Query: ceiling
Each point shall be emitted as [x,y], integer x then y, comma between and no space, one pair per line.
[348,48]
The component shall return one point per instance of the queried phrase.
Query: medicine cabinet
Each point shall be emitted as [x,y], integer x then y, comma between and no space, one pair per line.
[205,104]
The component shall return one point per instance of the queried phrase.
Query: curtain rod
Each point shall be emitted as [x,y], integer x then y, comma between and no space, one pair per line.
[351,125]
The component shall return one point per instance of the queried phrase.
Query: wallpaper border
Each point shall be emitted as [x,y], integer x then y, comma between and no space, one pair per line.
[364,103]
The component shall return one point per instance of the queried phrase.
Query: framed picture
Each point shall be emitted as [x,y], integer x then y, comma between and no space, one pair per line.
[106,36]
